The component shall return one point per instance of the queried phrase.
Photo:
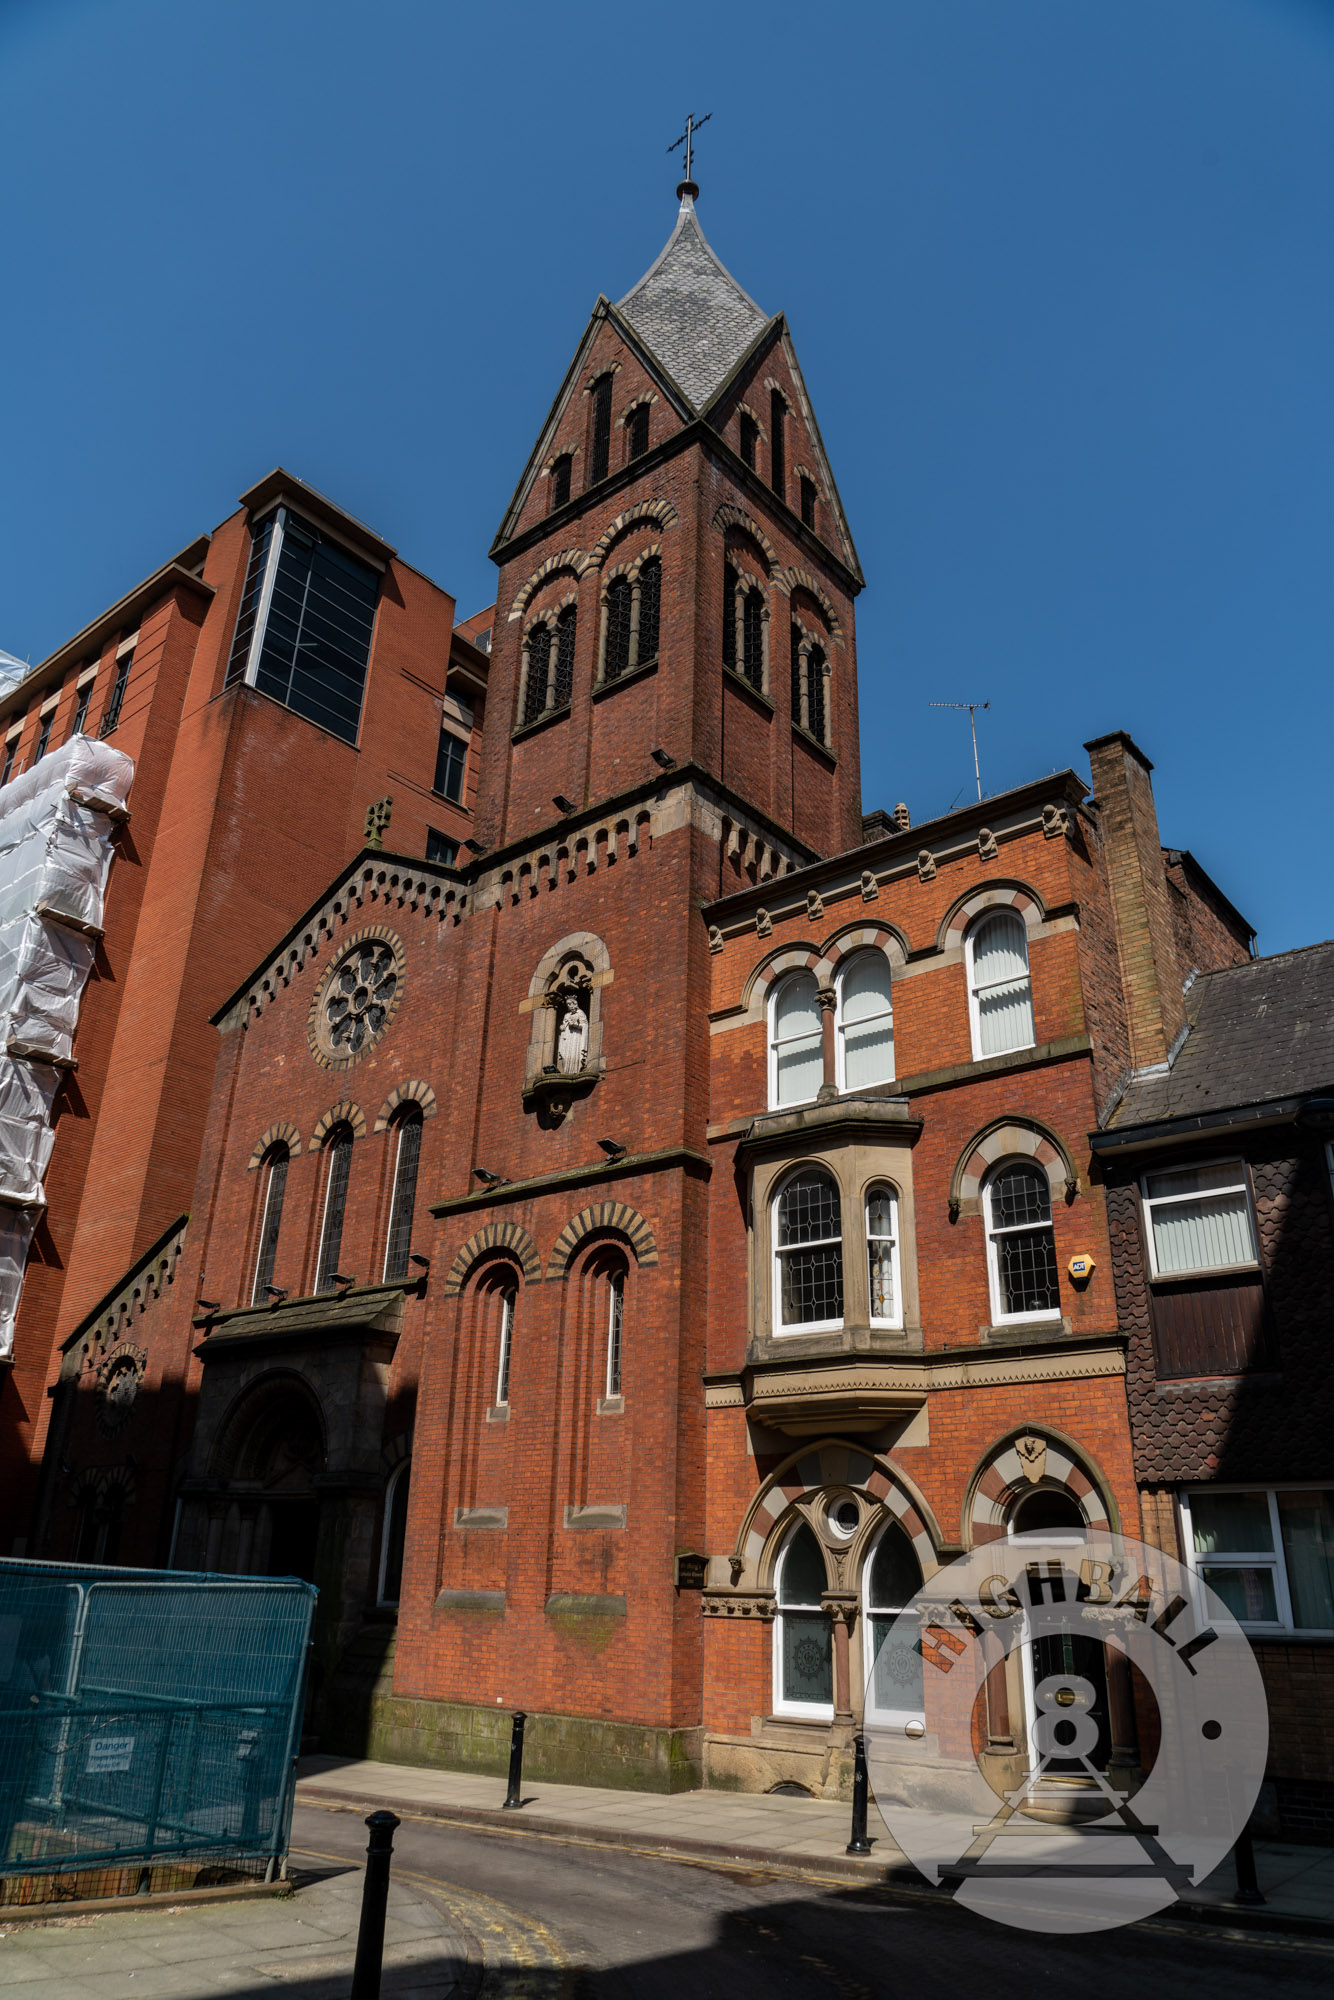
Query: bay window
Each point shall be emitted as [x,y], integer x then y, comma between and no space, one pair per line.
[808,1254]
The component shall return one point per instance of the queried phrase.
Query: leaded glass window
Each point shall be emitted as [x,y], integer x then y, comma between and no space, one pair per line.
[752,637]
[816,719]
[407,1159]
[808,1253]
[566,625]
[338,1169]
[1022,1248]
[615,1330]
[882,1256]
[729,615]
[618,628]
[804,1634]
[560,481]
[539,665]
[1000,991]
[650,608]
[275,1188]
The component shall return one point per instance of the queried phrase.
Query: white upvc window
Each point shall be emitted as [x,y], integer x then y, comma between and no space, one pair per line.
[882,1256]
[505,1347]
[864,1022]
[1000,992]
[1199,1219]
[891,1579]
[1021,1247]
[1268,1552]
[803,1632]
[808,1254]
[796,1059]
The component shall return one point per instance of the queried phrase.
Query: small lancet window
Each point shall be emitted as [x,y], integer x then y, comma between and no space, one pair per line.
[808,497]
[338,1170]
[777,452]
[750,439]
[539,663]
[804,1635]
[636,427]
[600,456]
[752,637]
[276,1162]
[618,628]
[406,1161]
[560,481]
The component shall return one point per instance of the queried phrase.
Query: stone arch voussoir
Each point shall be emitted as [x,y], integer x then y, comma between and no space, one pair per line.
[660,511]
[1035,1455]
[503,1236]
[729,516]
[609,1217]
[991,896]
[1013,1137]
[832,1462]
[283,1133]
[343,1113]
[413,1092]
[573,560]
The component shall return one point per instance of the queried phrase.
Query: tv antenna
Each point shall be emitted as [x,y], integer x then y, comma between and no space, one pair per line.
[687,139]
[972,707]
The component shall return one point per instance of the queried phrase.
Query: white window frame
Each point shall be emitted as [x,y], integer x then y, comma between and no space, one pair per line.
[508,1298]
[779,987]
[1151,1201]
[399,1472]
[840,1052]
[1049,1314]
[896,1717]
[615,1336]
[974,1014]
[874,1189]
[818,1711]
[1273,1559]
[780,1329]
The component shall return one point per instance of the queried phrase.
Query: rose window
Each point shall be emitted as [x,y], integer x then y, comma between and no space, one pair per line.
[360,998]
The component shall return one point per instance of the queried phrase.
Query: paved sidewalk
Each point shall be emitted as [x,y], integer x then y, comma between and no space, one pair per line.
[303,1944]
[1297,1881]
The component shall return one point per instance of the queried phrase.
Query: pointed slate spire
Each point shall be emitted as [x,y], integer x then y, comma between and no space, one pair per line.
[691,312]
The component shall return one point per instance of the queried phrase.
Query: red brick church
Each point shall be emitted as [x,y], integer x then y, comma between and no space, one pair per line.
[624,1261]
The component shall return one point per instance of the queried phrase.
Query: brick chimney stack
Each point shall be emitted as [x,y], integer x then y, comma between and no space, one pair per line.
[1150,968]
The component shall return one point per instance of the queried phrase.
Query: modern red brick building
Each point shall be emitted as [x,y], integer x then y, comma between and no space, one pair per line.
[622,1264]
[270,683]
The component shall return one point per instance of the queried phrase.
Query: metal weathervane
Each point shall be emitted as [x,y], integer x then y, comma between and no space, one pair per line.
[687,139]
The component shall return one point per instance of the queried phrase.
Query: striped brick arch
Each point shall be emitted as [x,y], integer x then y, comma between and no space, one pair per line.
[617,1215]
[998,896]
[496,1236]
[1032,1458]
[283,1133]
[831,1464]
[1007,1139]
[346,1113]
[879,936]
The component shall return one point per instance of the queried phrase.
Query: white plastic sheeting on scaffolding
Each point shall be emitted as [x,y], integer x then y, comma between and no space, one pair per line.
[56,823]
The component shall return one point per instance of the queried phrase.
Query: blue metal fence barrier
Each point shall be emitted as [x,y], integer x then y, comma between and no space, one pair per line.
[147,1715]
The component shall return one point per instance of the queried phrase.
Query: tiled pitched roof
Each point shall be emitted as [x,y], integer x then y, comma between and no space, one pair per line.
[691,312]
[1258,1032]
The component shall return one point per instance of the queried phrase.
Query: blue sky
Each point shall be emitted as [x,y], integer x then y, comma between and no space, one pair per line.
[1060,273]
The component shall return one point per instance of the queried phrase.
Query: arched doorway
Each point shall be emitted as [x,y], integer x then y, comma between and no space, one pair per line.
[270,1457]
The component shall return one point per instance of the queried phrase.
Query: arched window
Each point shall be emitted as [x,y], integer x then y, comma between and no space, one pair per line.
[1021,1249]
[563,678]
[615,1330]
[752,637]
[750,439]
[808,499]
[882,1256]
[1000,993]
[803,1633]
[560,481]
[507,1293]
[777,454]
[408,1130]
[731,590]
[796,1060]
[276,1162]
[650,609]
[817,720]
[617,657]
[338,1168]
[600,454]
[636,426]
[891,1580]
[548,666]
[808,1254]
[537,672]
[864,1022]
[394,1532]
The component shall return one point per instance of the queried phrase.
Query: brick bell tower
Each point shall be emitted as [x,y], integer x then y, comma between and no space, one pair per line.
[676,571]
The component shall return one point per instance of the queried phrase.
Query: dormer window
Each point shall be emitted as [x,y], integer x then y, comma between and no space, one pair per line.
[600,455]
[560,493]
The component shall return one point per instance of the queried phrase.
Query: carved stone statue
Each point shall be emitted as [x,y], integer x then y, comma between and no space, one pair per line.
[571,1032]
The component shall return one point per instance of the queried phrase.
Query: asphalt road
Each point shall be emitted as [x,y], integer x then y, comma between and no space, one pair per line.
[596,1923]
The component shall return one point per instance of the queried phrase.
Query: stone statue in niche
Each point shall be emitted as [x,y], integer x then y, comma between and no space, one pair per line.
[569,999]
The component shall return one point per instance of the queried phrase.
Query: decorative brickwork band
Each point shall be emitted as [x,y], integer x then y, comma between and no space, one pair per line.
[415,1092]
[996,896]
[614,1215]
[1007,1138]
[496,1236]
[1031,1458]
[284,1133]
[346,1113]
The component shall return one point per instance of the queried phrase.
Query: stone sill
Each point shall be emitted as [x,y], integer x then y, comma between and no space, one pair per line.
[1026,1330]
[639,671]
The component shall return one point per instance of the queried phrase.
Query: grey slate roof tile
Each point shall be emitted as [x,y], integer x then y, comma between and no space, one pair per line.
[1258,1032]
[691,312]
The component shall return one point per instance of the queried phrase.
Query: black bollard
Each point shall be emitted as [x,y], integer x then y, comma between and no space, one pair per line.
[859,1844]
[512,1797]
[374,1896]
[1243,1859]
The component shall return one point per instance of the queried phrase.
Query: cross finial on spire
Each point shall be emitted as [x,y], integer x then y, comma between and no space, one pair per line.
[687,139]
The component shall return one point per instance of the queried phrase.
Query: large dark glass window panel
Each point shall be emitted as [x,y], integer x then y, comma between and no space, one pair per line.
[777,443]
[566,626]
[260,542]
[638,428]
[729,615]
[560,482]
[815,687]
[750,439]
[539,662]
[405,1196]
[650,609]
[111,713]
[601,454]
[439,847]
[339,1150]
[451,759]
[317,635]
[618,628]
[272,1222]
[752,638]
